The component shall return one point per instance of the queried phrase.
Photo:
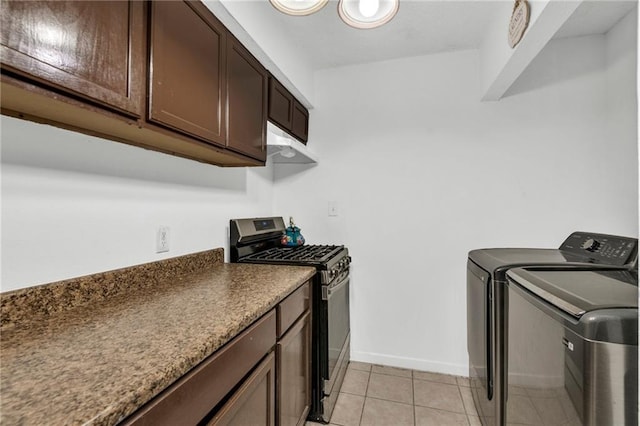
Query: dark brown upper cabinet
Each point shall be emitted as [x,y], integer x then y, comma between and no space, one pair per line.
[246,101]
[163,75]
[300,122]
[89,49]
[287,112]
[187,70]
[280,104]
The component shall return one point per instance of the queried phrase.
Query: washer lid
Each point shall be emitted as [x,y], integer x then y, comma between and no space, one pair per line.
[579,291]
[497,260]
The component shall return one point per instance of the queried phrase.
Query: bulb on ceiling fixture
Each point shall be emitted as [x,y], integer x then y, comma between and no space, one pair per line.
[368,8]
[367,13]
[298,7]
[288,152]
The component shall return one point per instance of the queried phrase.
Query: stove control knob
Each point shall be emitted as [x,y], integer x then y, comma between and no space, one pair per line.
[591,245]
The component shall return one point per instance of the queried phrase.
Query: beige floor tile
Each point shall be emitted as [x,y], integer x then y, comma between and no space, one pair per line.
[517,390]
[550,410]
[392,371]
[520,409]
[467,400]
[391,388]
[463,381]
[567,406]
[432,417]
[438,395]
[474,421]
[435,377]
[355,382]
[544,392]
[348,410]
[356,365]
[486,408]
[378,412]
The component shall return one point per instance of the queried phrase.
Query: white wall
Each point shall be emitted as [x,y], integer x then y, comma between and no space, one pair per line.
[423,172]
[417,165]
[74,205]
[622,96]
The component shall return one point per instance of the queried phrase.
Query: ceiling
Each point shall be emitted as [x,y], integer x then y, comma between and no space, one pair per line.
[420,27]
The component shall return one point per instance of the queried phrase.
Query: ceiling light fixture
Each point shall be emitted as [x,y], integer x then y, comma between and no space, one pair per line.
[367,13]
[299,7]
[356,13]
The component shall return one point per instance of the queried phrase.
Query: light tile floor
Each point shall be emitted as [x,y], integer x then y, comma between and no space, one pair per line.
[387,396]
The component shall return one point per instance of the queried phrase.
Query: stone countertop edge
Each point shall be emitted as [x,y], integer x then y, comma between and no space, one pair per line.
[100,361]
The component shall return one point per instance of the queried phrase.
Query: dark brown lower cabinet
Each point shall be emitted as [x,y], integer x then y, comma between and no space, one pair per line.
[194,397]
[260,378]
[253,404]
[294,373]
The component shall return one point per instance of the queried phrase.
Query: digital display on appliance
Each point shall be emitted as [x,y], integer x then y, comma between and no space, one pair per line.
[263,225]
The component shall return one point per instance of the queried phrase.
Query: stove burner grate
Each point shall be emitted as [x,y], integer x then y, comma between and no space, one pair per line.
[311,253]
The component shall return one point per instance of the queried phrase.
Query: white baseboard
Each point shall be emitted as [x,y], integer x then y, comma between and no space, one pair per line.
[411,363]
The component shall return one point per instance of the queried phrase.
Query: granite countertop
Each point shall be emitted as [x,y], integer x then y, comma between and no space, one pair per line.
[99,362]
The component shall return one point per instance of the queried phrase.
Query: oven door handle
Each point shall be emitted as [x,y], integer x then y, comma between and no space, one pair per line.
[328,290]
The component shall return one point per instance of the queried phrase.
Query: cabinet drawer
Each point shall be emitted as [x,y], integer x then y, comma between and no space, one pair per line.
[193,396]
[290,309]
[254,403]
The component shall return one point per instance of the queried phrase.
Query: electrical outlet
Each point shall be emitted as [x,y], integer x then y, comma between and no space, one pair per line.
[162,239]
[333,208]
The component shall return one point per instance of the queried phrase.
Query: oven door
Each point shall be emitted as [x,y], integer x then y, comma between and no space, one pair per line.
[336,296]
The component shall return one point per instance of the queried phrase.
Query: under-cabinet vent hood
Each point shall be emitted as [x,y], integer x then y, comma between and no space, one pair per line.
[282,148]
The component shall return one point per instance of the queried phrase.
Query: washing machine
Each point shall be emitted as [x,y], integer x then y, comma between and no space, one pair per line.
[572,347]
[486,319]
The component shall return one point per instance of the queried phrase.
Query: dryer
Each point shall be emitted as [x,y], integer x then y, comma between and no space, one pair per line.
[572,347]
[486,289]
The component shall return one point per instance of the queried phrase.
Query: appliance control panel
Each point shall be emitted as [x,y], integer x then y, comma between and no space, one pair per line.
[339,270]
[602,248]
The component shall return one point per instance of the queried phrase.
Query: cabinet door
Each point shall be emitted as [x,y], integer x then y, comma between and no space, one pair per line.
[91,49]
[294,373]
[280,104]
[300,122]
[247,102]
[193,397]
[253,404]
[187,70]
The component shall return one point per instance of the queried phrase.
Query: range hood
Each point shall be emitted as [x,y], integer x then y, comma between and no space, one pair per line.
[282,148]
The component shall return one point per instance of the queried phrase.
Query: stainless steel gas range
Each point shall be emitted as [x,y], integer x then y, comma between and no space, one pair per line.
[257,240]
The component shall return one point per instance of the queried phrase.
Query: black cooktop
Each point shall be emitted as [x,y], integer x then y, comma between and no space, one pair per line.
[309,254]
